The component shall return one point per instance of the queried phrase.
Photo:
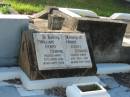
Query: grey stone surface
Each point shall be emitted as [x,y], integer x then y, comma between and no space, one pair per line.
[11,27]
[106,36]
[8,91]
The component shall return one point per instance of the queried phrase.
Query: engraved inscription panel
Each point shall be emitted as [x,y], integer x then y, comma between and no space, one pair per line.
[61,51]
[77,51]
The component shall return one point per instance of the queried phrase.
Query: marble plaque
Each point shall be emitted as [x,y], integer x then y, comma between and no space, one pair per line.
[61,51]
[77,52]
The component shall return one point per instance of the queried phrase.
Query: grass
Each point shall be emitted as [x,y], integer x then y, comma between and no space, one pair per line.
[24,7]
[101,7]
[4,9]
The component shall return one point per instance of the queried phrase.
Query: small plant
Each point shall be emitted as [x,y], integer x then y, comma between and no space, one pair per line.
[4,9]
[26,6]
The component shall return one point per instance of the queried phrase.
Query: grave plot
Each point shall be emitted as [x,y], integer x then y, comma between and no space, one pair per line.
[106,34]
[65,54]
[61,54]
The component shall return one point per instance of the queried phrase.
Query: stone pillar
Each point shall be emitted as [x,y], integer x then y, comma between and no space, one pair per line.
[11,27]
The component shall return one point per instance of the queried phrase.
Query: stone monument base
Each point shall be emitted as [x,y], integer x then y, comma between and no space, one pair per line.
[29,62]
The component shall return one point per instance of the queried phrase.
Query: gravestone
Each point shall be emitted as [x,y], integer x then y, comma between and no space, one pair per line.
[106,34]
[56,53]
[11,27]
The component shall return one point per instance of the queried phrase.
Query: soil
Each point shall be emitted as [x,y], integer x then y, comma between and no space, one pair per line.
[93,87]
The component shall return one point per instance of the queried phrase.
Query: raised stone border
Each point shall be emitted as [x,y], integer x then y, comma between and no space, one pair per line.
[12,73]
[15,72]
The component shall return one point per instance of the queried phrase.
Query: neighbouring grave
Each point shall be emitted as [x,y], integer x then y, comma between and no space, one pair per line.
[121,16]
[46,54]
[11,27]
[106,34]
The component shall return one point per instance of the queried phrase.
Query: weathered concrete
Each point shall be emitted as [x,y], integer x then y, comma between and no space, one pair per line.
[106,37]
[11,27]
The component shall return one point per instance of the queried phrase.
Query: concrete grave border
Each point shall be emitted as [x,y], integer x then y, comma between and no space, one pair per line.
[16,72]
[7,73]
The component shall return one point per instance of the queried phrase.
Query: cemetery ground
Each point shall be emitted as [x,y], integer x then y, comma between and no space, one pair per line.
[117,85]
[101,7]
